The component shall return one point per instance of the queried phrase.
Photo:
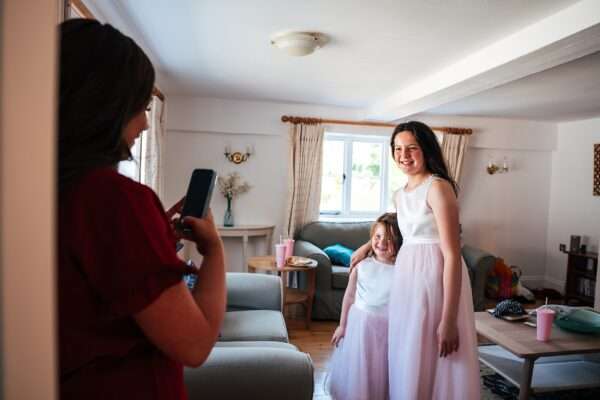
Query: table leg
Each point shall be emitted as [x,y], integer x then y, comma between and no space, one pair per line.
[312,275]
[244,247]
[526,375]
[284,278]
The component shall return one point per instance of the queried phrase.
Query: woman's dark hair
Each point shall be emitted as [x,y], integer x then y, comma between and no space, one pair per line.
[105,80]
[432,152]
[389,221]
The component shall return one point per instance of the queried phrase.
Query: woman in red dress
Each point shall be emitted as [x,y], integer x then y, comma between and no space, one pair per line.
[127,321]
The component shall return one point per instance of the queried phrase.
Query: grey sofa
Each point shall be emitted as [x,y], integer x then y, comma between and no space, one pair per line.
[253,358]
[333,279]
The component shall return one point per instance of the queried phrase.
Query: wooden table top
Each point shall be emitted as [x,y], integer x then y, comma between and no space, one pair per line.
[521,340]
[267,263]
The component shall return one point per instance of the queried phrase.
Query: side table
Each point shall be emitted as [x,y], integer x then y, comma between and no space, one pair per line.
[290,295]
[246,231]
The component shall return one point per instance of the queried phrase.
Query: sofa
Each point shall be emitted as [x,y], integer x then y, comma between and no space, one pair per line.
[332,279]
[253,358]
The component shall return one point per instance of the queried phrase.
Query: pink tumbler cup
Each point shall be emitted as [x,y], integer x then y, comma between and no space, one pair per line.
[289,248]
[545,317]
[280,255]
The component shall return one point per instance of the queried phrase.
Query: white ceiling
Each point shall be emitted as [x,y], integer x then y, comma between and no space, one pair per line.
[569,91]
[391,58]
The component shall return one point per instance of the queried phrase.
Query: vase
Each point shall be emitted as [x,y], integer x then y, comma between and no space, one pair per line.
[228,217]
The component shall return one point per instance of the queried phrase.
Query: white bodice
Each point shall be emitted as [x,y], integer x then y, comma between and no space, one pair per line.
[373,284]
[415,218]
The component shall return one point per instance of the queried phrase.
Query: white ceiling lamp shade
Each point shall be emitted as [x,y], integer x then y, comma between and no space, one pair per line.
[298,43]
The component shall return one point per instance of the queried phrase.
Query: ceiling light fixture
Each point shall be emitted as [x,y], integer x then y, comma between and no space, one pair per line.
[298,43]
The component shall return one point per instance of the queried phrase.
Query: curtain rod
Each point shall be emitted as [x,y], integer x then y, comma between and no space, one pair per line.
[312,121]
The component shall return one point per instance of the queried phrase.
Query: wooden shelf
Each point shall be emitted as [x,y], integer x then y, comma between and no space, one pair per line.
[582,270]
[550,374]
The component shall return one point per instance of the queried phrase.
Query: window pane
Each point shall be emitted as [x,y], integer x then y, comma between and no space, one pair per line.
[366,177]
[396,180]
[333,173]
[131,168]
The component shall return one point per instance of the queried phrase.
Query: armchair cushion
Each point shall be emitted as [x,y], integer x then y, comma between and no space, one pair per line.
[254,325]
[339,254]
[253,292]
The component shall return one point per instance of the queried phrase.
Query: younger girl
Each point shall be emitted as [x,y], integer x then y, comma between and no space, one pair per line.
[359,366]
[432,340]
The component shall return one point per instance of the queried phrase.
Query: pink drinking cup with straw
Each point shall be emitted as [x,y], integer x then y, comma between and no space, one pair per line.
[545,317]
[289,248]
[280,255]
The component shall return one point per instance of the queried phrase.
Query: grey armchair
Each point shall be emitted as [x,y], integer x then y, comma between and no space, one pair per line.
[253,359]
[331,279]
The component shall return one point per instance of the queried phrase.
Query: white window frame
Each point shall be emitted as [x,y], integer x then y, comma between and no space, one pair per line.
[348,139]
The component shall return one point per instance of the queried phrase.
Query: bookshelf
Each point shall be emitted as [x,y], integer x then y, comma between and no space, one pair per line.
[582,269]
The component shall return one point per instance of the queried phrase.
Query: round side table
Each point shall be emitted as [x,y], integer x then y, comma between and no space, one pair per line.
[290,295]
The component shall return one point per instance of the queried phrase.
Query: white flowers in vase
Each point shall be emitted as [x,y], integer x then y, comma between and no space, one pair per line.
[230,185]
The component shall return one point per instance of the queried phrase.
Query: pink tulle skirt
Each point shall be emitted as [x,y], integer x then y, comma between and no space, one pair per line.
[415,369]
[358,369]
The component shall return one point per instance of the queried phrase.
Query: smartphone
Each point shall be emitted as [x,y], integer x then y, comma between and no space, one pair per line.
[199,193]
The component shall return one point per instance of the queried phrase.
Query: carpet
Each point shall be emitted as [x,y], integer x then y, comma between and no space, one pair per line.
[495,387]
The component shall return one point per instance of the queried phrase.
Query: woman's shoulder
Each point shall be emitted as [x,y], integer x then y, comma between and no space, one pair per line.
[106,184]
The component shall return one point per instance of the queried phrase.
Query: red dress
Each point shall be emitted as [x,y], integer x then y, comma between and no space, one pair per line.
[116,255]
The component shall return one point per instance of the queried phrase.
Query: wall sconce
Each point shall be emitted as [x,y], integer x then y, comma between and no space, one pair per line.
[238,157]
[493,168]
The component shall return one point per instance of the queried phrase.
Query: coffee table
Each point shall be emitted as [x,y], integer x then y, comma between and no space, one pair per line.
[290,295]
[560,364]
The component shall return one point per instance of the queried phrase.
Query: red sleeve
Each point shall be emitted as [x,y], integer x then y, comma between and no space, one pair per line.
[124,243]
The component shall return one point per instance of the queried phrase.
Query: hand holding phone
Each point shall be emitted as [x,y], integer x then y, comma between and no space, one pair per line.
[197,199]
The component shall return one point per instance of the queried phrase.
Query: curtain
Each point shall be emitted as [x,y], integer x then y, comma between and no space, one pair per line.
[304,183]
[152,148]
[454,147]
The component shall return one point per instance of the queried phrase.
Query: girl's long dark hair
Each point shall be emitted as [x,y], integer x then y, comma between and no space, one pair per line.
[105,80]
[432,152]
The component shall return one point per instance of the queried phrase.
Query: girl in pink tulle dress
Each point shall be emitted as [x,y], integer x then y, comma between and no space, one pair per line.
[431,331]
[359,366]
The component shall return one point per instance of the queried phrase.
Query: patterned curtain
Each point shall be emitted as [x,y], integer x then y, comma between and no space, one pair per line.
[304,187]
[454,147]
[152,148]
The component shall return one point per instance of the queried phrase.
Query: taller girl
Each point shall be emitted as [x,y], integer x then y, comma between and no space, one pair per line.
[432,339]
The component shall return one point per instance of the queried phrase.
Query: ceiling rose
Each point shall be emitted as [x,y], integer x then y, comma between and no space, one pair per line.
[298,43]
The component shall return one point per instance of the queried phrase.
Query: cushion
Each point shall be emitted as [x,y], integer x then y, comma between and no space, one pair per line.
[254,325]
[338,254]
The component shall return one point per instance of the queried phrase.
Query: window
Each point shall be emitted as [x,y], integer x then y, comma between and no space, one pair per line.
[133,168]
[359,176]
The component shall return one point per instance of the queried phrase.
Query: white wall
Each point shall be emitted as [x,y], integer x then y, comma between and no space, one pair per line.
[27,203]
[573,209]
[198,130]
[506,214]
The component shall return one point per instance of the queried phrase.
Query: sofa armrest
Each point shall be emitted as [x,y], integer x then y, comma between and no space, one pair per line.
[480,264]
[252,373]
[310,250]
[249,291]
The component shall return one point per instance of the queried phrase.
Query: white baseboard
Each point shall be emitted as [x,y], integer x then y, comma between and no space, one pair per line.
[532,281]
[535,281]
[556,284]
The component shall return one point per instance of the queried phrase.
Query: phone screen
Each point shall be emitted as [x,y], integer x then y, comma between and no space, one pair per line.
[197,198]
